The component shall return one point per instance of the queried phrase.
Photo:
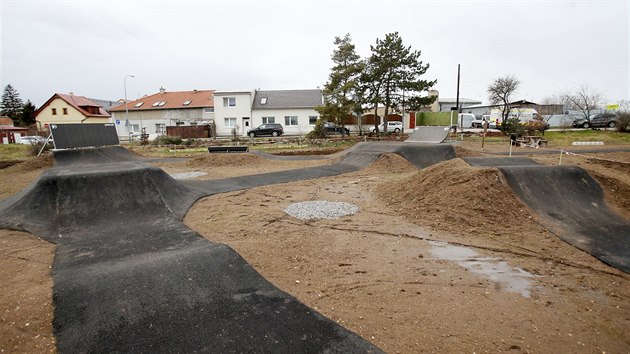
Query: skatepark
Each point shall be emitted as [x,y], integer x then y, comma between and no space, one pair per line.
[143,262]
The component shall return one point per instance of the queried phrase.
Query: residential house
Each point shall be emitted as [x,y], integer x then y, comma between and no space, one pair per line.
[294,109]
[69,108]
[233,112]
[10,134]
[446,104]
[155,112]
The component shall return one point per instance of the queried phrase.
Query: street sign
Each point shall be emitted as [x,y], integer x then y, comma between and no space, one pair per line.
[117,121]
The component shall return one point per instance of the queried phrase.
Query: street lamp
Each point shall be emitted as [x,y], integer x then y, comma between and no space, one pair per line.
[126,103]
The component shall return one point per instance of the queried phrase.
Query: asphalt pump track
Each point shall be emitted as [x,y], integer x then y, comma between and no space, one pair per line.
[129,276]
[570,203]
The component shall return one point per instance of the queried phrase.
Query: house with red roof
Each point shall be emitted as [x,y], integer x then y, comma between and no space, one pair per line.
[69,108]
[165,108]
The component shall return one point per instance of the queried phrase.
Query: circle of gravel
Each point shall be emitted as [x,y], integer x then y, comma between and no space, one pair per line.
[321,209]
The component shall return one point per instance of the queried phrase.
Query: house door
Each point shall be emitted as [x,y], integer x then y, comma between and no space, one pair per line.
[245,125]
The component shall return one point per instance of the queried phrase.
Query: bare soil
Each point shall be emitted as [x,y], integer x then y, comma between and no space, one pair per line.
[376,272]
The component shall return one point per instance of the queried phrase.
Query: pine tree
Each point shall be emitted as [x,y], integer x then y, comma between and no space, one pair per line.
[11,105]
[28,114]
[340,92]
[393,76]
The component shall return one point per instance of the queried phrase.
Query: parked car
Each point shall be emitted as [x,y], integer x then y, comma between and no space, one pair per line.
[273,129]
[392,126]
[604,120]
[601,120]
[32,140]
[332,128]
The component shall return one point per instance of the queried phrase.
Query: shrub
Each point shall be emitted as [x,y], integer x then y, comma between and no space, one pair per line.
[318,131]
[167,140]
[624,122]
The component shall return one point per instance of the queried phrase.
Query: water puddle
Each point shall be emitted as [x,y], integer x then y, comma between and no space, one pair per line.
[509,278]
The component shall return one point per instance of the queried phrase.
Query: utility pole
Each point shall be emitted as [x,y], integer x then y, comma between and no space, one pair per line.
[461,123]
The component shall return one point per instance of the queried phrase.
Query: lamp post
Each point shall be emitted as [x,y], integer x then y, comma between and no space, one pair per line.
[126,103]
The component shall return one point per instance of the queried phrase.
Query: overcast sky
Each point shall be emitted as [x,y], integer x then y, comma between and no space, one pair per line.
[88,47]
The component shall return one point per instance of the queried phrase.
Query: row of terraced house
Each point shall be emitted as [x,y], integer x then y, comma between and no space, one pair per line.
[228,112]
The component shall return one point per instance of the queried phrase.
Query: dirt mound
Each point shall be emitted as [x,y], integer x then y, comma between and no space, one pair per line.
[391,163]
[463,152]
[221,160]
[454,196]
[617,193]
[32,164]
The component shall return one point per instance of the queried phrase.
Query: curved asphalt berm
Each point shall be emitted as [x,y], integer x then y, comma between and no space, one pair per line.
[571,204]
[428,134]
[130,277]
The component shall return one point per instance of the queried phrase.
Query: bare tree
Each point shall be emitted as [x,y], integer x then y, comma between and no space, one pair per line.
[500,92]
[583,99]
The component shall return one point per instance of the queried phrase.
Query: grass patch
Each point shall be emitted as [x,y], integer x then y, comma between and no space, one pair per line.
[565,138]
[15,151]
[609,137]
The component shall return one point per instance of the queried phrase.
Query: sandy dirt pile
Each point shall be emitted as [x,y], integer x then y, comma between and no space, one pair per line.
[218,166]
[27,171]
[26,301]
[221,160]
[456,196]
[374,272]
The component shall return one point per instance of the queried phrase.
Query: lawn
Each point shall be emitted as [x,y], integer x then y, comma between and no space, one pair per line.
[565,138]
[608,137]
[10,152]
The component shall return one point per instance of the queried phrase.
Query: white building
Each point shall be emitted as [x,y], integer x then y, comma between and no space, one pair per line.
[294,109]
[156,112]
[239,111]
[233,112]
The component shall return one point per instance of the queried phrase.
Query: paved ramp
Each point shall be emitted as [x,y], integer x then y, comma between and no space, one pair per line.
[129,276]
[572,204]
[426,134]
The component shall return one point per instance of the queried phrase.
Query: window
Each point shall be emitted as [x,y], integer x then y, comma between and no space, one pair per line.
[156,104]
[162,103]
[187,102]
[160,128]
[65,111]
[230,122]
[208,110]
[263,100]
[134,128]
[312,120]
[179,123]
[193,123]
[229,101]
[54,111]
[138,104]
[290,120]
[267,120]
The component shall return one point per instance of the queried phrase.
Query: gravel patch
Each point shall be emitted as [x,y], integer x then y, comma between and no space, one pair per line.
[321,209]
[188,175]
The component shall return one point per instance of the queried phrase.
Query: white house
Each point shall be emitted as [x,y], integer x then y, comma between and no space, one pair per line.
[233,112]
[294,109]
[157,111]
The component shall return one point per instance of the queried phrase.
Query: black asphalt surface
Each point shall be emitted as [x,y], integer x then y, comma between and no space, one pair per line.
[129,276]
[571,204]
